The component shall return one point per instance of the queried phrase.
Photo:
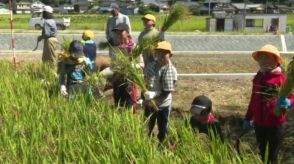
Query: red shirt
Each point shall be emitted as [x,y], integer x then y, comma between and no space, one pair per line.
[264,99]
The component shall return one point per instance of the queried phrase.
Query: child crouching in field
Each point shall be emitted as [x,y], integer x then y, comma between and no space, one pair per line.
[269,127]
[73,71]
[161,77]
[202,118]
[89,45]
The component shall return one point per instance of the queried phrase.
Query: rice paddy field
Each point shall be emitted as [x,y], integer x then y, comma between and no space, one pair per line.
[38,125]
[98,22]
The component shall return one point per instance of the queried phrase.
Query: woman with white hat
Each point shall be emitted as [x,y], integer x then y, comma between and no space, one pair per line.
[49,32]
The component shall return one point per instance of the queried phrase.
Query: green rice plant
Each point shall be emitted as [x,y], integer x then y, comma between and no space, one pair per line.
[65,44]
[146,44]
[287,89]
[177,12]
[37,128]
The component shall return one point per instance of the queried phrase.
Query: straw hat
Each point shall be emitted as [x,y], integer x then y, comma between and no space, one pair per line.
[89,34]
[164,45]
[269,50]
[149,17]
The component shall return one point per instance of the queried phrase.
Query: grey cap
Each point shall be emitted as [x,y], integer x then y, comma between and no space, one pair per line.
[114,6]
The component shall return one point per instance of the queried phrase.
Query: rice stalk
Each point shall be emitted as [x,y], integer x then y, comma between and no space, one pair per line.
[177,12]
[146,44]
[65,44]
[286,90]
[124,66]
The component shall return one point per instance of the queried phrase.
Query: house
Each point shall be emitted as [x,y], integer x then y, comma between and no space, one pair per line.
[4,9]
[23,7]
[81,5]
[65,9]
[249,8]
[248,22]
[209,5]
[263,22]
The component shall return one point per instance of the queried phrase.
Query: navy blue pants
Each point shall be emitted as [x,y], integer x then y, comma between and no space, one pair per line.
[162,117]
[272,137]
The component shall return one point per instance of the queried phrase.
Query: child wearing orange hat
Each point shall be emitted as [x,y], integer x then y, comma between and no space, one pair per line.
[161,77]
[260,114]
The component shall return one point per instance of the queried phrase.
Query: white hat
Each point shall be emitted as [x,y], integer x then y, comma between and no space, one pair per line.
[48,9]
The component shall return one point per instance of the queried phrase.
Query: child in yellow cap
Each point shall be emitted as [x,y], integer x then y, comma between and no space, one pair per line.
[268,126]
[89,44]
[161,77]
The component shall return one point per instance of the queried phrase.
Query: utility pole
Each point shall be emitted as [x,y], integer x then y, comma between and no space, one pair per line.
[244,15]
[209,7]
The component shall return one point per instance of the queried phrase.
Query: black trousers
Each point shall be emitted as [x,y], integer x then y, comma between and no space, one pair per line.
[162,117]
[121,95]
[271,137]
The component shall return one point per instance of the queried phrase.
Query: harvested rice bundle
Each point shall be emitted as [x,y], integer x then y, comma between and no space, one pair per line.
[287,89]
[289,84]
[177,12]
[125,66]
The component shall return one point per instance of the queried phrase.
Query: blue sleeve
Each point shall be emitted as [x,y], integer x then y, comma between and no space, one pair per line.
[90,65]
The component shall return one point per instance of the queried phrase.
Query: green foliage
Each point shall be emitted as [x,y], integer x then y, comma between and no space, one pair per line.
[38,128]
[289,84]
[177,13]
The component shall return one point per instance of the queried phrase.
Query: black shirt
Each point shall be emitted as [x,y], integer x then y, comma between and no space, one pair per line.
[205,128]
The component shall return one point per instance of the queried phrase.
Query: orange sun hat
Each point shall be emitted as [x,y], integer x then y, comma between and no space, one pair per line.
[269,50]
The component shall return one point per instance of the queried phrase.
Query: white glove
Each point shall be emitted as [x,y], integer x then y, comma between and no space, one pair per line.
[63,90]
[149,95]
[107,72]
[136,65]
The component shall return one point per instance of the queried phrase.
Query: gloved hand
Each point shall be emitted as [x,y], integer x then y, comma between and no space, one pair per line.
[107,72]
[63,90]
[247,125]
[136,65]
[284,103]
[149,95]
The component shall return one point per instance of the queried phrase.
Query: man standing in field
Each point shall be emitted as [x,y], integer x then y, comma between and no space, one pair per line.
[112,22]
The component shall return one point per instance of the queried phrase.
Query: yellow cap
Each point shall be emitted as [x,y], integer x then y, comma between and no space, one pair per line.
[164,45]
[150,17]
[88,34]
[269,50]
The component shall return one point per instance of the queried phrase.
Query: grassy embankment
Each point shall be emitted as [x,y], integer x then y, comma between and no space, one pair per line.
[97,22]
